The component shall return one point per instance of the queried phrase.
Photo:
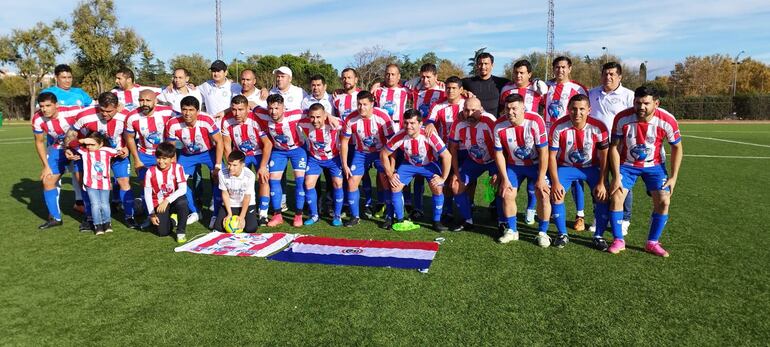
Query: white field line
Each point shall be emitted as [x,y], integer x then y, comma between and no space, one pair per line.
[15,143]
[723,156]
[729,141]
[730,131]
[16,139]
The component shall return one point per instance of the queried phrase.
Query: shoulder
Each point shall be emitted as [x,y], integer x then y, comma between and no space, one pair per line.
[665,115]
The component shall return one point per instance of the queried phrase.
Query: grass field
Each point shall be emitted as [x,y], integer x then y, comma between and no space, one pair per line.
[61,287]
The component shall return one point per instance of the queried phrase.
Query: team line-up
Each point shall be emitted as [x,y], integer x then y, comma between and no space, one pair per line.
[446,133]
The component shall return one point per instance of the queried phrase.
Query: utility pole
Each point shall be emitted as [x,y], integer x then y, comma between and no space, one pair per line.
[735,71]
[549,39]
[219,29]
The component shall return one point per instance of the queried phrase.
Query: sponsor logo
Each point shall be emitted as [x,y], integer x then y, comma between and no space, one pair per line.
[351,251]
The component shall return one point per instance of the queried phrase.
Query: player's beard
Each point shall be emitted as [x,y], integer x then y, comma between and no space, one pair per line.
[145,109]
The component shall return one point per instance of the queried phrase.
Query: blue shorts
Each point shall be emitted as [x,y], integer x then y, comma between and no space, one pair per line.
[57,161]
[407,171]
[190,161]
[253,161]
[280,158]
[121,168]
[363,161]
[315,167]
[654,177]
[569,174]
[148,161]
[517,174]
[470,171]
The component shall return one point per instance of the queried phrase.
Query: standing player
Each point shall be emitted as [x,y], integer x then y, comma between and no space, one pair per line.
[127,91]
[109,119]
[560,90]
[421,155]
[201,145]
[607,100]
[370,128]
[578,151]
[345,99]
[531,92]
[180,87]
[520,151]
[50,125]
[637,150]
[241,132]
[281,125]
[147,125]
[391,96]
[165,192]
[485,86]
[321,140]
[475,133]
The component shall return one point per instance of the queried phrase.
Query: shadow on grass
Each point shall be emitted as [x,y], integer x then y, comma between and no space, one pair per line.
[29,193]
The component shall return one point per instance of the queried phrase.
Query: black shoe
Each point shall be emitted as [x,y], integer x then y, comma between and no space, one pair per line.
[262,221]
[353,222]
[600,243]
[501,227]
[437,226]
[50,224]
[561,241]
[462,227]
[116,206]
[86,226]
[107,227]
[132,224]
[99,229]
[416,214]
[368,212]
[387,224]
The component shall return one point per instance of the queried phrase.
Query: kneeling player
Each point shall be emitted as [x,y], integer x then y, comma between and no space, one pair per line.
[238,195]
[637,150]
[420,159]
[578,151]
[520,152]
[321,140]
[165,192]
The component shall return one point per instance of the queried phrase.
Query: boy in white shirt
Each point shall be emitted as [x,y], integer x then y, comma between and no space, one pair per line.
[238,195]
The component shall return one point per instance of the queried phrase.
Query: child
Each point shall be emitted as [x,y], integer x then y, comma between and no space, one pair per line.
[238,195]
[165,189]
[96,178]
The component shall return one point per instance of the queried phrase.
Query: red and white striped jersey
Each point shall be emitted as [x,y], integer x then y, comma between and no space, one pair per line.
[443,115]
[246,136]
[55,128]
[322,144]
[90,120]
[520,143]
[578,147]
[196,138]
[424,99]
[370,134]
[531,97]
[130,98]
[641,143]
[478,139]
[393,101]
[151,131]
[164,182]
[418,151]
[283,134]
[345,104]
[96,167]
[557,98]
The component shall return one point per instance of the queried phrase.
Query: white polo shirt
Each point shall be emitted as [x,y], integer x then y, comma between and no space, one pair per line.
[604,106]
[292,98]
[255,98]
[217,98]
[174,97]
[238,186]
[325,100]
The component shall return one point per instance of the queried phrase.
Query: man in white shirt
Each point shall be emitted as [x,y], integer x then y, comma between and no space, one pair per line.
[607,100]
[238,194]
[218,91]
[250,91]
[180,87]
[292,95]
[318,94]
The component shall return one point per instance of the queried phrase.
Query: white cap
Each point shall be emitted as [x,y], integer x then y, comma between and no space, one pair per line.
[284,70]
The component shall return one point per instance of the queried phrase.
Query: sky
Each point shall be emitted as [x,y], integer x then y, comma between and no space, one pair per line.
[657,31]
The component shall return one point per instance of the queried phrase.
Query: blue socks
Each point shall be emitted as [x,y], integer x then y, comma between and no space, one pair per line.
[559,216]
[463,205]
[366,186]
[657,223]
[276,191]
[531,199]
[127,198]
[438,207]
[299,193]
[52,202]
[353,201]
[339,198]
[264,204]
[542,226]
[578,195]
[616,218]
[311,198]
[601,216]
[511,222]
[398,205]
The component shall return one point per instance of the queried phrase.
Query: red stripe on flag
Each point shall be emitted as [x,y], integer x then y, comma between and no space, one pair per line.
[273,239]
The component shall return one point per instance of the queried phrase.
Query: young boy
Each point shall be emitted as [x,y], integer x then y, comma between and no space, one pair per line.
[96,158]
[238,194]
[165,191]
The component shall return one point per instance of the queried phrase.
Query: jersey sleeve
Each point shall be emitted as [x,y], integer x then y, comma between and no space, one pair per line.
[112,152]
[672,131]
[454,135]
[85,98]
[541,134]
[180,176]
[221,179]
[171,131]
[554,145]
[395,141]
[129,128]
[347,130]
[36,124]
[251,191]
[433,114]
[496,137]
[437,144]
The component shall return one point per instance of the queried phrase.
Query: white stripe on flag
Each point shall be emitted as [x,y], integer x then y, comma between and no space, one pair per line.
[374,252]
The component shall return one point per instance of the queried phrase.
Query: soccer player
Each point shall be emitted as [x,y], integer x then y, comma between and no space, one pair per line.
[370,128]
[607,100]
[96,154]
[238,197]
[637,150]
[201,145]
[165,192]
[421,157]
[520,151]
[578,151]
[108,118]
[485,86]
[322,142]
[560,90]
[49,125]
[318,94]
[281,126]
[241,132]
[256,96]
[180,87]
[531,91]
[391,96]
[217,92]
[291,94]
[475,133]
[147,125]
[127,91]
[345,99]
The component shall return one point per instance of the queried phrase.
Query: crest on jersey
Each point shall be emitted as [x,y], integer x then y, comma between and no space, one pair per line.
[640,152]
[555,108]
[99,168]
[416,159]
[476,151]
[247,146]
[154,138]
[578,156]
[193,147]
[523,152]
[282,139]
[370,141]
[424,109]
[169,188]
[389,107]
[319,145]
[60,138]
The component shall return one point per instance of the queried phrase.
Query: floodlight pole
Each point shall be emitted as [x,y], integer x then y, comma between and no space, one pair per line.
[735,71]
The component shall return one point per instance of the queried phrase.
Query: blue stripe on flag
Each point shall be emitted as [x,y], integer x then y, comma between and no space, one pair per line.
[358,260]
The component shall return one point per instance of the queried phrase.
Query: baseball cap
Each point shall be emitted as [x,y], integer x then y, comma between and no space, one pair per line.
[283,69]
[218,65]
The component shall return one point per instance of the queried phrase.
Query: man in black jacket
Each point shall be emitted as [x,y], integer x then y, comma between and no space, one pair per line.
[484,85]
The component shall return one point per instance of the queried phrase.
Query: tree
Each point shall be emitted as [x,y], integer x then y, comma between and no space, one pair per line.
[446,69]
[33,52]
[152,71]
[370,64]
[710,75]
[101,46]
[472,61]
[196,64]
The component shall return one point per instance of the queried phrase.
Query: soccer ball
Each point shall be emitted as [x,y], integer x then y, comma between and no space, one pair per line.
[231,226]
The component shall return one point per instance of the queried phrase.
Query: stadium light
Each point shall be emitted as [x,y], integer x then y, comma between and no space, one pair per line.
[604,54]
[735,71]
[237,66]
